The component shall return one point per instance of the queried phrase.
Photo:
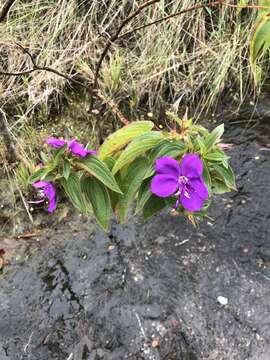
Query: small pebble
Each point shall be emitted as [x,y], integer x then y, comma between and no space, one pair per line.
[155,343]
[222,300]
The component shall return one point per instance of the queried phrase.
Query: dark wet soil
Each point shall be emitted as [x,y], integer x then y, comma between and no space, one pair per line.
[149,291]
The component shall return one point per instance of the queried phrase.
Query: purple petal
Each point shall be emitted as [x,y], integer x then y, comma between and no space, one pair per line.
[194,194]
[50,193]
[40,184]
[78,149]
[191,166]
[56,143]
[91,152]
[191,201]
[168,165]
[199,187]
[164,185]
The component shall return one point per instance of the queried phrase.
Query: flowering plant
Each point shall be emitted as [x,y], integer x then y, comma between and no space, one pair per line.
[179,169]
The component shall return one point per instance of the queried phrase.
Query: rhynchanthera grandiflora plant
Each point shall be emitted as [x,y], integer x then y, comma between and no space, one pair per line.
[179,169]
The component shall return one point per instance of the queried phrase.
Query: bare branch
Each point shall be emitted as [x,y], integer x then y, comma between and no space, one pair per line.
[114,37]
[5,9]
[36,67]
[192,8]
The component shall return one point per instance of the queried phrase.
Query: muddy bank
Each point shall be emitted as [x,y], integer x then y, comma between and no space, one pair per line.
[149,291]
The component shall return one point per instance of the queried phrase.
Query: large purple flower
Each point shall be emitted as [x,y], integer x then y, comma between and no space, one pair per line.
[46,190]
[184,180]
[73,145]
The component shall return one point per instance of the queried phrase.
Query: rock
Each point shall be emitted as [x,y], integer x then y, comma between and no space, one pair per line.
[222,300]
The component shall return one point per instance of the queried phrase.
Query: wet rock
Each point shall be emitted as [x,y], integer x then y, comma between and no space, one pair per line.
[97,296]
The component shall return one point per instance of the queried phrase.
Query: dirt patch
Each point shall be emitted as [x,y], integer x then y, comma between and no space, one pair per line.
[161,290]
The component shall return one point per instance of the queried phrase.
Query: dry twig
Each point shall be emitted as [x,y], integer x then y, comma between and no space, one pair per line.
[36,67]
[5,9]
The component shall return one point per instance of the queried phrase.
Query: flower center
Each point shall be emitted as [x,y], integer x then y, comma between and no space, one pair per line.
[183,186]
[182,180]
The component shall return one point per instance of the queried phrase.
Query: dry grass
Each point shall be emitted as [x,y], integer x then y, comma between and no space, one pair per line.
[190,59]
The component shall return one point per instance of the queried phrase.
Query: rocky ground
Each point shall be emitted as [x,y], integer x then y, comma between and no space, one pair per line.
[156,291]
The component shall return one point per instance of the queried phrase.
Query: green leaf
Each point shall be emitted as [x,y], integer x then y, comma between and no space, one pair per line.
[122,137]
[153,206]
[226,175]
[95,167]
[165,148]
[217,155]
[213,137]
[110,161]
[218,187]
[168,148]
[200,145]
[37,175]
[73,190]
[144,194]
[130,185]
[137,147]
[97,194]
[260,42]
[207,176]
[66,169]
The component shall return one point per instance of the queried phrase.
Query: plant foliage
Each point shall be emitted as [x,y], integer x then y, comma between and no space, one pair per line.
[121,173]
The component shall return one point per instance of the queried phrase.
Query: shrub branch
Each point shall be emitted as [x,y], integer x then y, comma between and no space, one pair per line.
[36,67]
[114,37]
[5,9]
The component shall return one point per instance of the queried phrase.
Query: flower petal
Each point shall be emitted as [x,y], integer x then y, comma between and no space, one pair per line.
[191,166]
[40,184]
[164,185]
[78,149]
[91,152]
[50,193]
[198,186]
[168,165]
[191,201]
[56,143]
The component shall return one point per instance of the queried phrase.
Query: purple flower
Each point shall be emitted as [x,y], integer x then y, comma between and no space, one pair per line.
[56,143]
[79,150]
[46,190]
[185,180]
[75,147]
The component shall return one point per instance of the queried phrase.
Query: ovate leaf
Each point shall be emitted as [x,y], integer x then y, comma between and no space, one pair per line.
[37,175]
[260,42]
[73,190]
[137,147]
[123,136]
[66,169]
[213,137]
[164,148]
[218,187]
[97,194]
[130,185]
[207,176]
[95,167]
[153,206]
[216,155]
[226,175]
[144,194]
